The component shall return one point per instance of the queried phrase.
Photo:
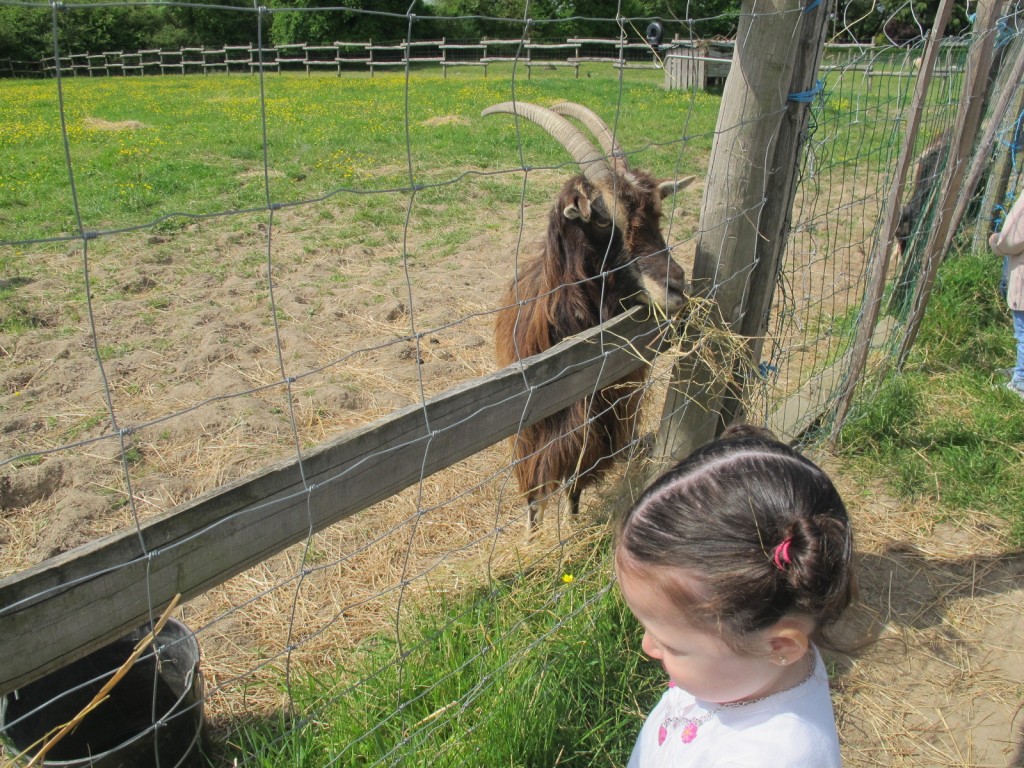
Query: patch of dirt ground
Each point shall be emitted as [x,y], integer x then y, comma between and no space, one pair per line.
[941,679]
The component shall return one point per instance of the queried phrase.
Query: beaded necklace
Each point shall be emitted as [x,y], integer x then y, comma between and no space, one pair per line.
[692,724]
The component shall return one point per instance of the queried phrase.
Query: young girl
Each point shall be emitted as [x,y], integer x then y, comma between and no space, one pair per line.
[734,562]
[1009,243]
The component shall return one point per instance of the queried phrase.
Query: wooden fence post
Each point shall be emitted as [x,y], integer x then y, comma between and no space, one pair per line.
[1003,165]
[777,213]
[979,62]
[1007,88]
[735,195]
[878,265]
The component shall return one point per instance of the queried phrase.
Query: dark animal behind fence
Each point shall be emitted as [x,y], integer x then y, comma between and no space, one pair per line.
[915,219]
[602,253]
[929,164]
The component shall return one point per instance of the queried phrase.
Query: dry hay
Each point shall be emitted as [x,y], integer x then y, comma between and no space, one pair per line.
[937,682]
[445,120]
[99,124]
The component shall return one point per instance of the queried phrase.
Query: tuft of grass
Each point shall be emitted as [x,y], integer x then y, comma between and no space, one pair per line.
[967,324]
[527,672]
[945,428]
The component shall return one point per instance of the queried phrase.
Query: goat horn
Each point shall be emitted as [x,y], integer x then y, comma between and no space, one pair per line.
[594,164]
[596,126]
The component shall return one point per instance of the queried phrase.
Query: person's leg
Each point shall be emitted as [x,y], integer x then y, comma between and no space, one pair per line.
[1018,331]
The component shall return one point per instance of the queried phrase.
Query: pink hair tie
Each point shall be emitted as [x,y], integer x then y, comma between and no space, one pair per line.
[780,555]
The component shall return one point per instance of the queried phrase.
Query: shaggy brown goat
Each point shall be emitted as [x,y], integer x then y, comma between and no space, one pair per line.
[926,180]
[603,253]
[915,218]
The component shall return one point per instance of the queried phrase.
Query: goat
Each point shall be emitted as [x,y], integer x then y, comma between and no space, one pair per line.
[918,209]
[926,177]
[603,252]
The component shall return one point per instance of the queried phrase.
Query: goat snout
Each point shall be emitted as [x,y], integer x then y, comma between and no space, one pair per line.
[664,282]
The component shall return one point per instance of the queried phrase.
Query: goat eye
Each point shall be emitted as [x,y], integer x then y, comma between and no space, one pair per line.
[602,223]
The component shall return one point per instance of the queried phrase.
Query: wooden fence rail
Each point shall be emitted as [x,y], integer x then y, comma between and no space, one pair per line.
[341,55]
[66,607]
[687,63]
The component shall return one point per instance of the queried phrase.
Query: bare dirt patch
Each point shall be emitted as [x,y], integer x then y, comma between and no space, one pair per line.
[940,682]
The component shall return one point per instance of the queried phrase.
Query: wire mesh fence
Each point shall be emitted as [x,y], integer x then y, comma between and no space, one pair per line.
[206,274]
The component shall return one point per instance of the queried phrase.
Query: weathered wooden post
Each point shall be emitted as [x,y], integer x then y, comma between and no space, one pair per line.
[1005,89]
[880,256]
[777,214]
[1009,134]
[965,130]
[745,214]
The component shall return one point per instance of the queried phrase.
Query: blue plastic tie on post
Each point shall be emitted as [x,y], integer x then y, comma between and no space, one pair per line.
[1004,33]
[1018,140]
[997,218]
[807,97]
[814,4]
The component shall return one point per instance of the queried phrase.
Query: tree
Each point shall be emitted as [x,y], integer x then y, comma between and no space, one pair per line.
[26,34]
[386,20]
[560,19]
[894,23]
[208,26]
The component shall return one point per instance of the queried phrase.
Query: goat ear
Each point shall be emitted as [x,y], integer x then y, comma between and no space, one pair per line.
[667,188]
[578,208]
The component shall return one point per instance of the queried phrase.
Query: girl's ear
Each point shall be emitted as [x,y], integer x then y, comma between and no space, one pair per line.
[788,641]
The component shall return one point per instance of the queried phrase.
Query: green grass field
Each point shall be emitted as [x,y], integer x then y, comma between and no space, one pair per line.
[145,148]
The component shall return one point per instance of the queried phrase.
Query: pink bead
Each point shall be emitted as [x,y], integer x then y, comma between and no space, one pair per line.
[662,735]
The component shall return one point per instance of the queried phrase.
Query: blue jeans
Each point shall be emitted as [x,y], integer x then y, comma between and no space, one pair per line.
[1018,332]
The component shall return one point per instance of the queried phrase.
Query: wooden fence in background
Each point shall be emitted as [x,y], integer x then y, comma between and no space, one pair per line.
[687,63]
[342,56]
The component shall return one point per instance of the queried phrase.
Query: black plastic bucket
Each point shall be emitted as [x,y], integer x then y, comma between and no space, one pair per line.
[153,716]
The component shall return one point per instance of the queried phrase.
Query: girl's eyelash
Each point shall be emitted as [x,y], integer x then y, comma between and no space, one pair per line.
[667,647]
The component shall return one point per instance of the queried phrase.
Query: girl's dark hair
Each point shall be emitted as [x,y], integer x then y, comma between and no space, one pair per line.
[724,515]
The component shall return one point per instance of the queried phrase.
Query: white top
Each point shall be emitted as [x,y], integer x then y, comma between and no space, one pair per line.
[790,729]
[1009,242]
